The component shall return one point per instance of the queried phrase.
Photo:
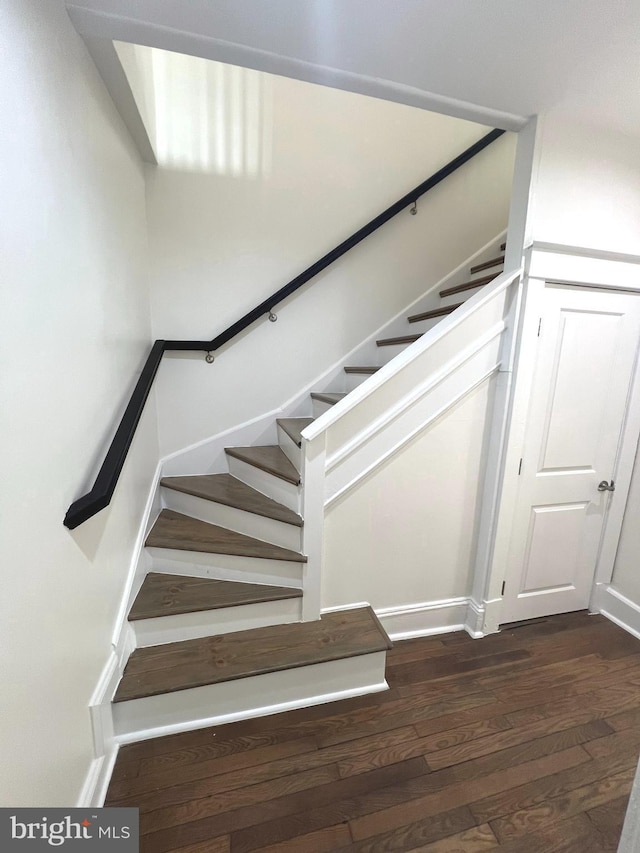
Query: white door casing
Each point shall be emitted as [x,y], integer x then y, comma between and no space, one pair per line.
[584,365]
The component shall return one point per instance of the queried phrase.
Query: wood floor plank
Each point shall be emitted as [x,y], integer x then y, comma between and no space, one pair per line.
[575,835]
[183,792]
[610,699]
[211,845]
[200,820]
[283,819]
[420,746]
[464,792]
[450,666]
[529,795]
[627,739]
[608,819]
[475,840]
[625,719]
[322,841]
[511,737]
[421,832]
[561,673]
[327,730]
[524,742]
[235,762]
[410,711]
[564,805]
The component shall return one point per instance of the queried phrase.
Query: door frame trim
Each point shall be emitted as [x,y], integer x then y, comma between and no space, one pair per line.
[557,264]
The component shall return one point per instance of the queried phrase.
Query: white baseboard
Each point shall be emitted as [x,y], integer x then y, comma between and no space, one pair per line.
[474,622]
[618,608]
[94,790]
[424,619]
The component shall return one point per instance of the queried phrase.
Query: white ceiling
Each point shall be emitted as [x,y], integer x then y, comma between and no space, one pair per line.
[512,58]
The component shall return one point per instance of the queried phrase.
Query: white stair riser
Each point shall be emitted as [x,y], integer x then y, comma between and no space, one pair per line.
[226,567]
[352,380]
[243,698]
[319,408]
[257,526]
[387,353]
[290,448]
[457,298]
[191,626]
[273,487]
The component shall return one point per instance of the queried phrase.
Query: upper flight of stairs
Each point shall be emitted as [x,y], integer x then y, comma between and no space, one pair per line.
[217,622]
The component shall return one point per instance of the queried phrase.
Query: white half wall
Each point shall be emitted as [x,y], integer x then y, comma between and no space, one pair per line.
[407,534]
[76,331]
[222,241]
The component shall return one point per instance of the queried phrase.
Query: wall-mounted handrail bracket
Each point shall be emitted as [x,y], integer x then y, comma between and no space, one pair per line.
[105,483]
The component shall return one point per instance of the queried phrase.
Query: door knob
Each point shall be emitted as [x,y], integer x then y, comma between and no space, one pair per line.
[603,486]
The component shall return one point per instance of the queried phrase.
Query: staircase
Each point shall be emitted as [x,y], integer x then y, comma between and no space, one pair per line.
[217,623]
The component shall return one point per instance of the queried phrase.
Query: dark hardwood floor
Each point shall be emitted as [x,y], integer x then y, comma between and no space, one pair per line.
[523,742]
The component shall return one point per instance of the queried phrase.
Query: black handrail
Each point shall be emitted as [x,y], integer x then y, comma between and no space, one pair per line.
[104,486]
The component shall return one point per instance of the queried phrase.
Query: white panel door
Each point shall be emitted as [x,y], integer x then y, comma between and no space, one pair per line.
[585,362]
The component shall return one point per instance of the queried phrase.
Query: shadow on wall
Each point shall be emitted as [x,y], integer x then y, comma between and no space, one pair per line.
[201,115]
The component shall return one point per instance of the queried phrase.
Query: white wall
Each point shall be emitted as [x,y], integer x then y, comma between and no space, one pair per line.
[223,241]
[407,533]
[75,332]
[586,190]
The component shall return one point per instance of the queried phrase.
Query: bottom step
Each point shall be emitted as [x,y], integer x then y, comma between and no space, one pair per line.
[249,673]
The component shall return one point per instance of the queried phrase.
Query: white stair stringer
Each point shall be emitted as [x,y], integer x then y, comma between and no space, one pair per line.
[202,564]
[207,623]
[253,696]
[232,518]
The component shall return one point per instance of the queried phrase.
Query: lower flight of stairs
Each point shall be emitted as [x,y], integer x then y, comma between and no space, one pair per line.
[218,621]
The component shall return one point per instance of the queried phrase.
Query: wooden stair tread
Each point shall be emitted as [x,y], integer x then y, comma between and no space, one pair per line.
[487,264]
[270,458]
[294,426]
[227,657]
[468,285]
[170,595]
[329,397]
[366,369]
[403,339]
[228,490]
[175,530]
[503,246]
[437,312]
